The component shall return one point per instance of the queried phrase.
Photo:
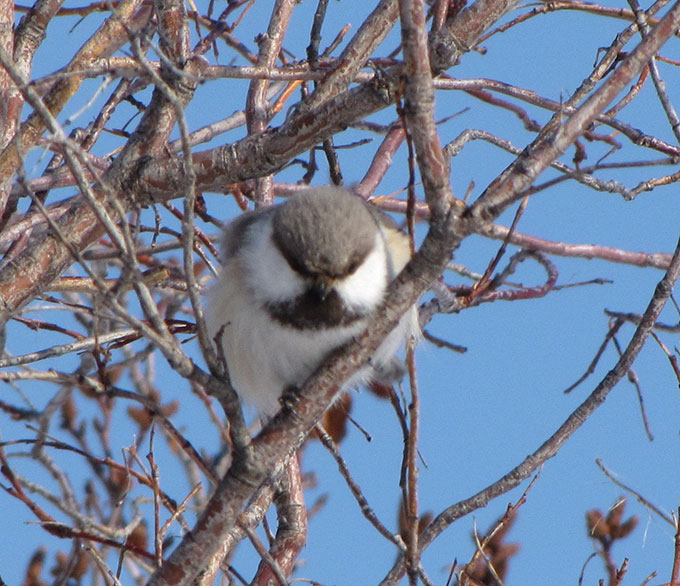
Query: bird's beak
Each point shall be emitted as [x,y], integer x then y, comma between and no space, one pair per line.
[322,286]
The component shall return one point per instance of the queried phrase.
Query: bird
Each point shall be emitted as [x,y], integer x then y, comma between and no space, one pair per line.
[299,280]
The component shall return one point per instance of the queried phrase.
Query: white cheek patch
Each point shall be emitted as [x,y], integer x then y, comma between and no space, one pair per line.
[365,287]
[269,275]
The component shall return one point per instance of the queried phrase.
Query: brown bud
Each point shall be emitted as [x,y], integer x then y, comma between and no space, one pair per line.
[77,568]
[169,409]
[82,564]
[139,537]
[141,416]
[615,514]
[60,563]
[598,528]
[120,479]
[423,521]
[113,373]
[155,395]
[625,529]
[69,412]
[35,567]
[335,419]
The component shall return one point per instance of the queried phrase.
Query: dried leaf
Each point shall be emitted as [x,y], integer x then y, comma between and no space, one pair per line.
[169,409]
[335,419]
[120,480]
[64,562]
[139,537]
[616,513]
[35,568]
[141,416]
[69,413]
[626,528]
[598,528]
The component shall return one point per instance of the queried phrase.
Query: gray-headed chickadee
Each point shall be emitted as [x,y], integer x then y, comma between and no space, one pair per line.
[299,280]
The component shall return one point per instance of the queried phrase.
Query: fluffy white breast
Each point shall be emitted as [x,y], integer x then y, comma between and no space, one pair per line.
[263,356]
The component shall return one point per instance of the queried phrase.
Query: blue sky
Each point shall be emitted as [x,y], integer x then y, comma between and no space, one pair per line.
[483,411]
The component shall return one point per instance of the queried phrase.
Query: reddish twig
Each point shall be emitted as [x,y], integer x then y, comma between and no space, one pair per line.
[675,572]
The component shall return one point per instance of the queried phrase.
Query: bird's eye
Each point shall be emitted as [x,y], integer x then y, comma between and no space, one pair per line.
[297,266]
[353,266]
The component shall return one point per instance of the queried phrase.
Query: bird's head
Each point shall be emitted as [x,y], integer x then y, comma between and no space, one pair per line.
[335,251]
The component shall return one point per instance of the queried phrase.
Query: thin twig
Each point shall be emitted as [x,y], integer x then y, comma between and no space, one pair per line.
[642,500]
